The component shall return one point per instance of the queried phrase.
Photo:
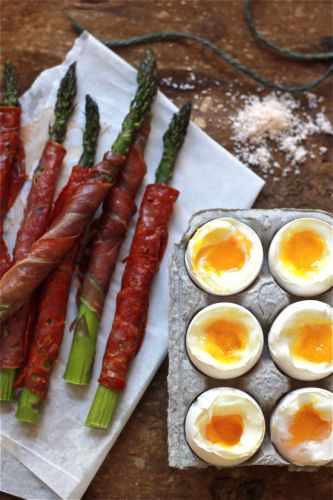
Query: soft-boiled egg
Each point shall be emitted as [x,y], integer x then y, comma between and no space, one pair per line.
[224,426]
[224,340]
[301,257]
[224,256]
[301,426]
[300,340]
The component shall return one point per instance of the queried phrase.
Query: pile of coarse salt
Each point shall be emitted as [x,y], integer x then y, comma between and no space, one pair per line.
[278,123]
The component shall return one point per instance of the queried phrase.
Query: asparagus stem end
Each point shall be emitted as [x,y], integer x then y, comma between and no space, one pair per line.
[83,349]
[103,408]
[7,379]
[28,409]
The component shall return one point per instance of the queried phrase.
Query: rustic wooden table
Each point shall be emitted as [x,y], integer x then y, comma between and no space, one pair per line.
[35,35]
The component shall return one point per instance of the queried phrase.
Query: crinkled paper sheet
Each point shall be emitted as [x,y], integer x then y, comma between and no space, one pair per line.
[61,452]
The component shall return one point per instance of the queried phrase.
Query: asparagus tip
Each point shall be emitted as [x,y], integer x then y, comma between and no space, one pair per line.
[10,97]
[91,132]
[140,105]
[64,105]
[172,142]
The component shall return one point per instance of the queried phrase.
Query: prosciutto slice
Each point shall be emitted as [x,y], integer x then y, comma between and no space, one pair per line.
[118,209]
[52,305]
[34,224]
[146,252]
[18,284]
[9,140]
[40,200]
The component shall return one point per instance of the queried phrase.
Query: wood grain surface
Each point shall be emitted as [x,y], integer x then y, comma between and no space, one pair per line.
[35,35]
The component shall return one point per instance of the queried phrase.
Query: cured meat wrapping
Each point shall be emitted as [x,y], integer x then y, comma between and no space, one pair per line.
[9,142]
[16,331]
[18,284]
[118,209]
[52,306]
[146,252]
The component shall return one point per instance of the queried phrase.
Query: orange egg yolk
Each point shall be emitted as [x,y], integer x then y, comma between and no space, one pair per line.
[313,342]
[223,339]
[225,430]
[303,251]
[307,425]
[228,255]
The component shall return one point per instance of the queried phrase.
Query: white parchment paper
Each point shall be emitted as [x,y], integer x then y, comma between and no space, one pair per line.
[61,451]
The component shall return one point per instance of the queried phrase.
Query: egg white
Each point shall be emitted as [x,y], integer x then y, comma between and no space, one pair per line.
[314,283]
[312,452]
[204,361]
[227,282]
[224,401]
[279,341]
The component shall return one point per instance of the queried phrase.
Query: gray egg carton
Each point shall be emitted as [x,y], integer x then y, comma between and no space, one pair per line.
[265,299]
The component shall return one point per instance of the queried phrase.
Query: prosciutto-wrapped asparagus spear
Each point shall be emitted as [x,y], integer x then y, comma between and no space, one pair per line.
[118,209]
[142,264]
[35,221]
[18,284]
[52,306]
[12,164]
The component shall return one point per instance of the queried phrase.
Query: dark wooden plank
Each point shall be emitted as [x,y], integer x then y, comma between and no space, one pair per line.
[36,35]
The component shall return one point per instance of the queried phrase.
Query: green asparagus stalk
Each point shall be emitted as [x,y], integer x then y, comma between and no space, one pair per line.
[10,97]
[141,104]
[63,108]
[172,142]
[78,370]
[7,379]
[91,133]
[105,401]
[28,409]
[64,105]
[29,406]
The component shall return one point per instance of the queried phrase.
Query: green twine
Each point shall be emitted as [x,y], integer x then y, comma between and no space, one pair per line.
[174,35]
[297,56]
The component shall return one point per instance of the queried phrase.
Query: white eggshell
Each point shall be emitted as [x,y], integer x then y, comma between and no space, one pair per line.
[224,401]
[279,340]
[227,282]
[204,361]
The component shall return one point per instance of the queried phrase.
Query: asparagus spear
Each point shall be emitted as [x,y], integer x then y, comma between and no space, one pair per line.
[64,105]
[10,97]
[106,399]
[29,406]
[172,142]
[81,358]
[63,108]
[11,180]
[90,135]
[141,104]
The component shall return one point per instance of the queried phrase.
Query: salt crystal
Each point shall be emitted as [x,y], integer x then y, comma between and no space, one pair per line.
[323,123]
[277,123]
[300,155]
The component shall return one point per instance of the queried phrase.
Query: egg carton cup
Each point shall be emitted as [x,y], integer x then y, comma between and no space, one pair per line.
[265,299]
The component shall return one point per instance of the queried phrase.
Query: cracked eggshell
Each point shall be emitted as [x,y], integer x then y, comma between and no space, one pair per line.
[248,357]
[279,340]
[311,453]
[229,282]
[224,401]
[314,283]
